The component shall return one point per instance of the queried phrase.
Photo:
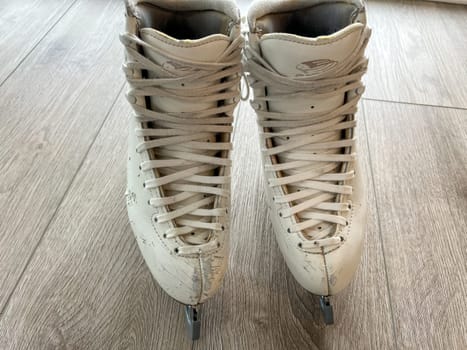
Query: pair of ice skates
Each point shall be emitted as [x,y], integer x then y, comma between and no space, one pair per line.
[305,61]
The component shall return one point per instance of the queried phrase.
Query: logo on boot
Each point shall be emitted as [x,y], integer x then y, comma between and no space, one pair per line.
[175,66]
[316,66]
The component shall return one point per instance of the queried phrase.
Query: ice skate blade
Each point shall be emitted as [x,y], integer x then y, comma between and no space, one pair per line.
[193,321]
[326,309]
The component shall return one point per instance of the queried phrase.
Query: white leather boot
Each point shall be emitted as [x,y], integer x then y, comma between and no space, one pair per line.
[306,60]
[183,65]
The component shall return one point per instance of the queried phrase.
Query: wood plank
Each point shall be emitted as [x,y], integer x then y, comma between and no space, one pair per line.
[87,286]
[418,53]
[463,2]
[51,111]
[22,25]
[419,158]
[261,306]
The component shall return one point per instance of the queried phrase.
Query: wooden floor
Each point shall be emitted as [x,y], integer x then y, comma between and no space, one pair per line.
[71,276]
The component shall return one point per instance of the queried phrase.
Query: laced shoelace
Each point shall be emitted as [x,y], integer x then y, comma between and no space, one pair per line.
[316,164]
[190,150]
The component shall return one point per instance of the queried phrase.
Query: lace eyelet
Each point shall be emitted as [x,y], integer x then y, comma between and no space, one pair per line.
[164,235]
[300,245]
[176,250]
[289,230]
[131,99]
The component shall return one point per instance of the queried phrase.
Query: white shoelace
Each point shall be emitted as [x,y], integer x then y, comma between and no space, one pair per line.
[190,151]
[316,161]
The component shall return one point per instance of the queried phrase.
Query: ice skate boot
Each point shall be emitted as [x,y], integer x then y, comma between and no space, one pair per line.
[306,60]
[183,66]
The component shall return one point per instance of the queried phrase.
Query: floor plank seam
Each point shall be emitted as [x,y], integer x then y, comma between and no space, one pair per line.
[372,177]
[37,44]
[64,196]
[413,104]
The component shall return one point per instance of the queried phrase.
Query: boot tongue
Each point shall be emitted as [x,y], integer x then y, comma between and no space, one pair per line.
[293,55]
[207,49]
[296,56]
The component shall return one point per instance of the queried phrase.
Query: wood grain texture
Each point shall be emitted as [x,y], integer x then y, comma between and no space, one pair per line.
[261,306]
[51,111]
[418,53]
[87,286]
[22,25]
[419,159]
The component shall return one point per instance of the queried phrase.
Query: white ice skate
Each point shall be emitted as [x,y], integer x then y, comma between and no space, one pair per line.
[306,60]
[183,65]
